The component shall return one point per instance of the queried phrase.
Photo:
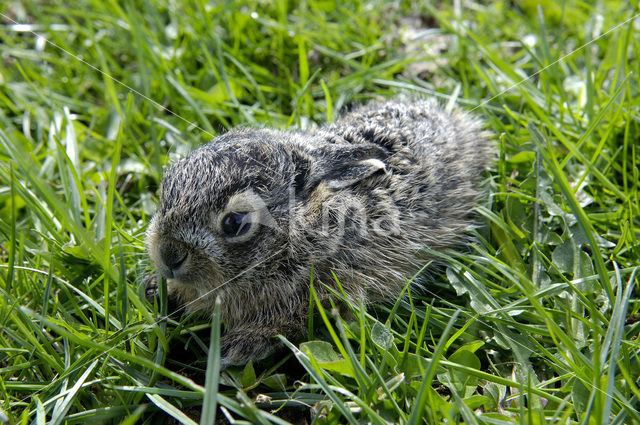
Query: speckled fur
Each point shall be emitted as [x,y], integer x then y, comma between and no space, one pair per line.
[408,169]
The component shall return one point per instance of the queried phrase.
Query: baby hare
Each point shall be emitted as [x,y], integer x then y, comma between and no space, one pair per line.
[247,216]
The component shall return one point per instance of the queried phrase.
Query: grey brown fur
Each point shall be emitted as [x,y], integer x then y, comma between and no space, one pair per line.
[360,197]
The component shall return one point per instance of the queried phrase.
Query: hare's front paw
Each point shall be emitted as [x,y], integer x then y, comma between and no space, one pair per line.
[151,290]
[152,294]
[240,346]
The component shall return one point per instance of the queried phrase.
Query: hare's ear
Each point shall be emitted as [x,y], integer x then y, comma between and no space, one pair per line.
[346,165]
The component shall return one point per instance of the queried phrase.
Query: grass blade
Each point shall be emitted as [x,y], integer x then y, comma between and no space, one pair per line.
[212,376]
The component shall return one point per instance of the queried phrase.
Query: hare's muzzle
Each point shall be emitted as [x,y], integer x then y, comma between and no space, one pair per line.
[173,256]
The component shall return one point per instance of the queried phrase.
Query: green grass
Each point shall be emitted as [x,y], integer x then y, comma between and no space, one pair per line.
[537,322]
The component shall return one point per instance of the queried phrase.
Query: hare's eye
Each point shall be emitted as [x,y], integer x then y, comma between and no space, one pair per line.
[235,224]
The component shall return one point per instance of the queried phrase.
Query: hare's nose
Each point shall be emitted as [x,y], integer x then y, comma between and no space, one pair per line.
[173,254]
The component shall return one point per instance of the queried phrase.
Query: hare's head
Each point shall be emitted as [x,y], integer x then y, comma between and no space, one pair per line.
[227,209]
